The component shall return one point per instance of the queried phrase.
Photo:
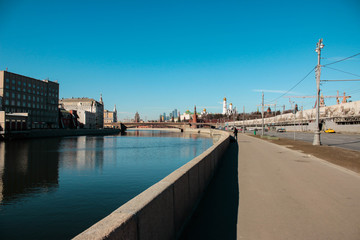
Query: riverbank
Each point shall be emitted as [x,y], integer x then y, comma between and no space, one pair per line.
[46,133]
[154,129]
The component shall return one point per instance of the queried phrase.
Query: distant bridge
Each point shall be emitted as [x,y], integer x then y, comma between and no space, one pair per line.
[179,125]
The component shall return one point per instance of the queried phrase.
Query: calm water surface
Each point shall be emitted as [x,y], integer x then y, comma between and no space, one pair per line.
[56,188]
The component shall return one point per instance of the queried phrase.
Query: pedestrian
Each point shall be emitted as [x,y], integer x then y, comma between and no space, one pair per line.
[235,133]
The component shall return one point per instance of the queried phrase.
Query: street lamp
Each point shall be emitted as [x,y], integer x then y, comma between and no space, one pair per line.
[319,46]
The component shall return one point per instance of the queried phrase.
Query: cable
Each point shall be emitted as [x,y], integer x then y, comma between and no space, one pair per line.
[341,60]
[342,71]
[293,86]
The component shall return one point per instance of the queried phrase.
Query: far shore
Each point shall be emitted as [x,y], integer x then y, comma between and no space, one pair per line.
[157,129]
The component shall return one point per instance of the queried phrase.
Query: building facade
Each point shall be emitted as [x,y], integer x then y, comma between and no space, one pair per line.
[38,98]
[110,116]
[90,111]
[137,117]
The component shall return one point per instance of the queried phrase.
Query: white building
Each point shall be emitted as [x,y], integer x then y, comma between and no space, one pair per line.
[90,111]
[186,116]
[230,110]
[224,106]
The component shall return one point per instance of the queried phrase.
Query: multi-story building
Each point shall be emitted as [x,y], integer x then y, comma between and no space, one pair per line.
[110,116]
[90,111]
[38,98]
[137,117]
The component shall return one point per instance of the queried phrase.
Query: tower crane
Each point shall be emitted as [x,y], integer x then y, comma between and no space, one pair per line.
[322,97]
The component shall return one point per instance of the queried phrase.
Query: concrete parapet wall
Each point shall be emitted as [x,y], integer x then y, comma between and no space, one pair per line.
[343,110]
[161,211]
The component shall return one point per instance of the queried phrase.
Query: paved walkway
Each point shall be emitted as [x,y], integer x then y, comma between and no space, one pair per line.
[281,194]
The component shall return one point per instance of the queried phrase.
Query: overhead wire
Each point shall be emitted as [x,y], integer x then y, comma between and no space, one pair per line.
[340,60]
[293,86]
[325,65]
[342,71]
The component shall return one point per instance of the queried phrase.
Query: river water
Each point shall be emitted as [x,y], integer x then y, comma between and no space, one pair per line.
[55,188]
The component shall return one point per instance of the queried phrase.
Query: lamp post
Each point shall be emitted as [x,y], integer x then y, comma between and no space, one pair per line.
[319,46]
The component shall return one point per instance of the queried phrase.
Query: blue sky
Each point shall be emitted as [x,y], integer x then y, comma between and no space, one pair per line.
[155,56]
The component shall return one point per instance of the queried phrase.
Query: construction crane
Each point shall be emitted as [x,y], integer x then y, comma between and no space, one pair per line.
[322,97]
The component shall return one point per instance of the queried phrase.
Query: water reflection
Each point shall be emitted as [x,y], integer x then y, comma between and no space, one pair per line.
[26,168]
[84,152]
[55,188]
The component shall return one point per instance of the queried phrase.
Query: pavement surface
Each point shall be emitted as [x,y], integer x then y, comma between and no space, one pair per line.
[277,193]
[348,141]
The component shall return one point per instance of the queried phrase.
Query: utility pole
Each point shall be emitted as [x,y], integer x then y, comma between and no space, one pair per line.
[262,115]
[243,130]
[294,121]
[319,46]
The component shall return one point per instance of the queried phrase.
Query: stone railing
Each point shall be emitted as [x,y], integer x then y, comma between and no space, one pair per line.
[161,211]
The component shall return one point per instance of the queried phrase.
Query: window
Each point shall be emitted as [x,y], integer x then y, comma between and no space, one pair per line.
[13,95]
[7,94]
[34,98]
[29,98]
[12,102]
[29,105]
[7,86]
[18,103]
[29,85]
[7,80]
[7,102]
[24,97]
[24,104]
[13,81]
[19,96]
[37,99]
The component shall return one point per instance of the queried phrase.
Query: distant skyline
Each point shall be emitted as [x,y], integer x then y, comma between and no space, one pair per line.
[157,56]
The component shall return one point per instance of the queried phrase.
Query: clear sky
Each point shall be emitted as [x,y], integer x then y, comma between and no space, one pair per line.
[155,56]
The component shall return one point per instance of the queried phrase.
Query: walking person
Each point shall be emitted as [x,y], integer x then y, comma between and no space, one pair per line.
[235,133]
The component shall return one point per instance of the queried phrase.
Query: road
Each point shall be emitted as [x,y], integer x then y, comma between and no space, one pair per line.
[284,194]
[348,141]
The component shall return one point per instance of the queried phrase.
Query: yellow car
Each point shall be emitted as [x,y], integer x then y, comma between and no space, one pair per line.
[329,130]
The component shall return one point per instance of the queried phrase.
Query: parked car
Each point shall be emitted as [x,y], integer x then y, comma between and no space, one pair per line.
[329,130]
[281,130]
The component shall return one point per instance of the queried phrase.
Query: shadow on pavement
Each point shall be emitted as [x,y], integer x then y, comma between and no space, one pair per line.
[216,214]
